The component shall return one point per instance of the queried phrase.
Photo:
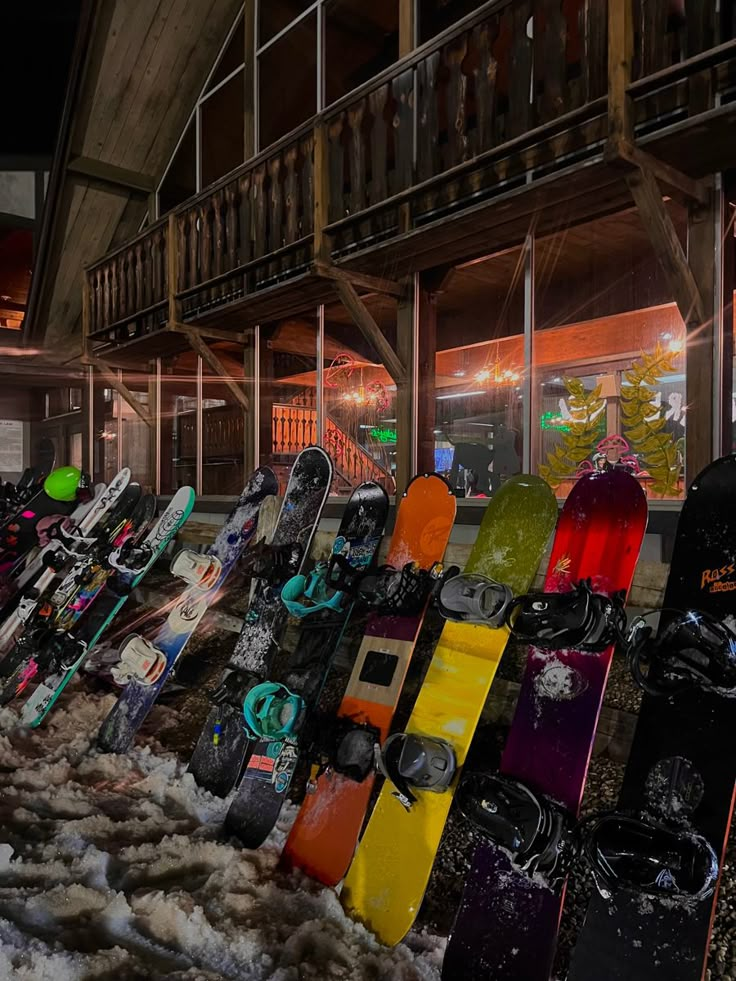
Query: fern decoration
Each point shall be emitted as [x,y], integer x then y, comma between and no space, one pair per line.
[584,431]
[658,449]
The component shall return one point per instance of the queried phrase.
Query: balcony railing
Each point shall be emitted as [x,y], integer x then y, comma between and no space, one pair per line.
[517,88]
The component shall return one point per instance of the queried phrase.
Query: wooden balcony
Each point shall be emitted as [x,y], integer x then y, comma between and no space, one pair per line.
[446,155]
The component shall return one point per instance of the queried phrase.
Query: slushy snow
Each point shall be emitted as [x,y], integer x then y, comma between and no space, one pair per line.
[116,867]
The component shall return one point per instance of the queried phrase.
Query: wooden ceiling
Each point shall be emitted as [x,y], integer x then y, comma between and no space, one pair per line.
[122,112]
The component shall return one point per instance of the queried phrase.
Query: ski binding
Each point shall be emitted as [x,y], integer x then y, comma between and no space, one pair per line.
[413,761]
[139,661]
[198,570]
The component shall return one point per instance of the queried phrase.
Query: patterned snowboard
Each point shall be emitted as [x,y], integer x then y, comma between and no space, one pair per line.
[507,923]
[272,763]
[639,938]
[324,836]
[136,700]
[222,747]
[391,869]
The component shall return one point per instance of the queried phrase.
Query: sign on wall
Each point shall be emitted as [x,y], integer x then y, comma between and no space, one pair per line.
[11,446]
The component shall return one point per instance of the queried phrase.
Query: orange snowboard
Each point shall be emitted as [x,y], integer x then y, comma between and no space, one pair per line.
[326,831]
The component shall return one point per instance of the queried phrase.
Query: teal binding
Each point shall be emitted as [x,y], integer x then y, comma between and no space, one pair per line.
[271,711]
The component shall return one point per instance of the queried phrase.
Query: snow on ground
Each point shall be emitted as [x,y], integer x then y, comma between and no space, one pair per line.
[115,867]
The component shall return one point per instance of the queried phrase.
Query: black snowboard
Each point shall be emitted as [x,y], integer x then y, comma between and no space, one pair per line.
[682,767]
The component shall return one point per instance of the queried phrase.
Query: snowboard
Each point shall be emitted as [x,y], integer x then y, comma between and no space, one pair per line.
[506,925]
[135,701]
[81,540]
[107,606]
[272,762]
[18,534]
[636,937]
[323,838]
[389,874]
[222,746]
[55,615]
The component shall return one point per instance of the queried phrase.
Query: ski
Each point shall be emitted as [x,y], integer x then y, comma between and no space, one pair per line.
[324,836]
[324,601]
[69,548]
[222,747]
[652,915]
[507,922]
[131,565]
[391,869]
[147,662]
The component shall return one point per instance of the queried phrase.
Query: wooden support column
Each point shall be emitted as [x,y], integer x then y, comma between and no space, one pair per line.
[620,56]
[321,192]
[405,415]
[249,54]
[172,268]
[86,313]
[153,440]
[112,380]
[425,381]
[699,361]
[407,26]
[250,461]
[208,355]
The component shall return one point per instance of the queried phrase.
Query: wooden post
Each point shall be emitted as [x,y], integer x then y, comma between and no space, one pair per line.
[620,55]
[700,376]
[251,418]
[172,268]
[153,447]
[86,313]
[425,381]
[405,416]
[407,27]
[249,128]
[321,192]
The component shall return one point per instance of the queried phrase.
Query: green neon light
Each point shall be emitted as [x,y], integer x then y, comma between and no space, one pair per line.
[383,435]
[553,420]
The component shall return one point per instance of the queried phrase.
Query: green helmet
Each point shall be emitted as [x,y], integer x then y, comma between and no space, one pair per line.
[62,483]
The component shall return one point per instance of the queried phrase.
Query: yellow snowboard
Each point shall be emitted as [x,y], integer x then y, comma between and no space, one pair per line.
[389,874]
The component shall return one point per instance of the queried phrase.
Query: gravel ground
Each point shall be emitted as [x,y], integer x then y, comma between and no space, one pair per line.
[208,652]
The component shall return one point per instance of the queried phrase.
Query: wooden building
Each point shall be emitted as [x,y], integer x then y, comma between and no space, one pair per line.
[430,234]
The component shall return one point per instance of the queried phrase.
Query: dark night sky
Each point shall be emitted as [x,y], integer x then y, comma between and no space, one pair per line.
[36,41]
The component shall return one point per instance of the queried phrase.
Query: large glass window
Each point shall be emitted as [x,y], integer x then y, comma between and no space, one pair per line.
[222,121]
[287,81]
[361,40]
[16,259]
[178,407]
[223,426]
[180,181]
[609,357]
[359,399]
[137,435]
[288,392]
[479,370]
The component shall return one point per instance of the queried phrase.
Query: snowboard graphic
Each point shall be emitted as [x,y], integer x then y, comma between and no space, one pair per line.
[135,701]
[223,745]
[324,836]
[107,606]
[682,768]
[272,762]
[391,868]
[506,926]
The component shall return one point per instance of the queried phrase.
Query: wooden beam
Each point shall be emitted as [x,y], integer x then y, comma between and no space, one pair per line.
[86,312]
[216,333]
[120,387]
[438,279]
[249,55]
[374,284]
[684,187]
[321,192]
[119,177]
[207,354]
[371,331]
[620,56]
[668,248]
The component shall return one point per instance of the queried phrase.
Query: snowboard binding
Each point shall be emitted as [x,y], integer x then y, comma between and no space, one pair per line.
[304,596]
[131,557]
[579,619]
[680,650]
[625,853]
[344,746]
[403,592]
[202,571]
[57,652]
[274,564]
[474,599]
[537,832]
[233,687]
[271,711]
[409,761]
[139,661]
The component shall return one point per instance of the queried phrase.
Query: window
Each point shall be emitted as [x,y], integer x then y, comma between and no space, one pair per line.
[436,16]
[16,259]
[479,369]
[287,81]
[360,40]
[223,426]
[137,435]
[609,361]
[222,121]
[180,181]
[178,401]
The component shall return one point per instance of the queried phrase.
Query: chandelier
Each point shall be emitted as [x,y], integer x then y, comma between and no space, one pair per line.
[493,373]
